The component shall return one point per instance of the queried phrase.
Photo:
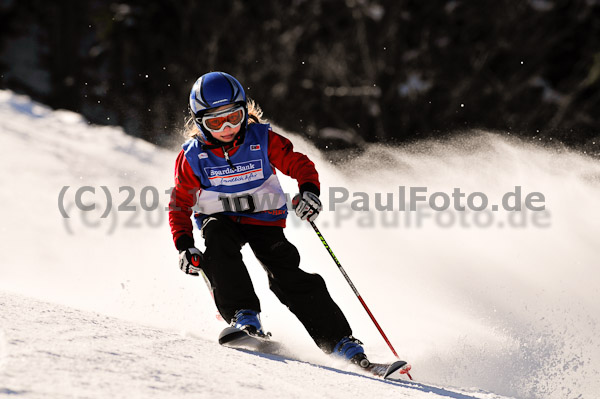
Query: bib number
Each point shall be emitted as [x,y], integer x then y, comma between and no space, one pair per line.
[240,203]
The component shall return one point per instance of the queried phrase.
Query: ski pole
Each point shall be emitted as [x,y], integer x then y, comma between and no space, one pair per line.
[339,265]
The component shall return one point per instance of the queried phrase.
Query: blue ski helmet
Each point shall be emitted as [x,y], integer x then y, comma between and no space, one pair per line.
[213,90]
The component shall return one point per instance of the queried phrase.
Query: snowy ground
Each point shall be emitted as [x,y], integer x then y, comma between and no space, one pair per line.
[73,353]
[94,305]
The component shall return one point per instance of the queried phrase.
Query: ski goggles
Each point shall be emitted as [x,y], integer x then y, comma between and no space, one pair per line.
[217,122]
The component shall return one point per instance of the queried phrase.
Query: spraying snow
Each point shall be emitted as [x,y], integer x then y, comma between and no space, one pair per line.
[502,301]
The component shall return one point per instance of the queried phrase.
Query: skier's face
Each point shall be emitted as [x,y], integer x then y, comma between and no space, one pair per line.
[228,133]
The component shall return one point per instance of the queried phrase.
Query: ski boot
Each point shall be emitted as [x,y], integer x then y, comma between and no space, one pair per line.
[248,320]
[351,349]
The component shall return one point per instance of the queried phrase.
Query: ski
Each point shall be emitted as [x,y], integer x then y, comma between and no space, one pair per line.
[386,370]
[235,338]
[232,337]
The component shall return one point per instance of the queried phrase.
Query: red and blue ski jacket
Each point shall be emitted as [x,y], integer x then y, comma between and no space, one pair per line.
[203,174]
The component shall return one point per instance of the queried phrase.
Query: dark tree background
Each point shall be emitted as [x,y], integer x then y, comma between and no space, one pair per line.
[341,72]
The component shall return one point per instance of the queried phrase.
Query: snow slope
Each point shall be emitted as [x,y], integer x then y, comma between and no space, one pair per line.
[92,355]
[510,307]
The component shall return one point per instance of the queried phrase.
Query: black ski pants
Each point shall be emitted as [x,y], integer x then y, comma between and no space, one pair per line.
[305,294]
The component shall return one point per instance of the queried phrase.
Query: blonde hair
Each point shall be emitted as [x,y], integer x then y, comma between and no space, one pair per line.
[255,115]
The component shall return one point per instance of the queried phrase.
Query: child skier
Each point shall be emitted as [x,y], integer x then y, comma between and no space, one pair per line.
[227,169]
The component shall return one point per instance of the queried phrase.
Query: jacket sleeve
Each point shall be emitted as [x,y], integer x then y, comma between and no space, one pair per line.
[183,198]
[294,164]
